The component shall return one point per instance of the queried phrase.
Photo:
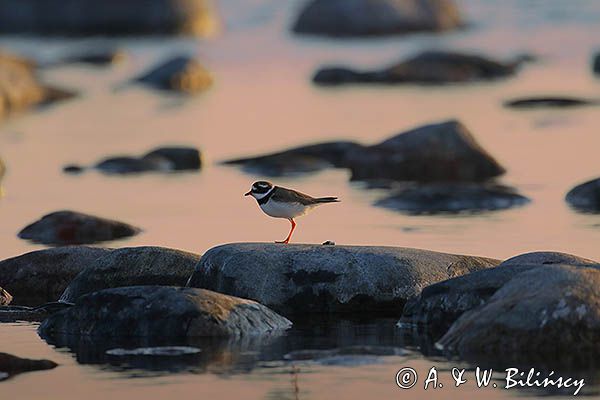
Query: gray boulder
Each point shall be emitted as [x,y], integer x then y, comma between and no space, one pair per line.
[444,151]
[62,228]
[299,160]
[452,198]
[161,311]
[430,67]
[549,102]
[5,297]
[376,17]
[300,279]
[549,315]
[12,365]
[441,304]
[585,197]
[133,266]
[42,276]
[181,158]
[181,74]
[123,17]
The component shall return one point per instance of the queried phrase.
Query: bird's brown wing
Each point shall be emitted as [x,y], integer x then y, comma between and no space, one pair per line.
[292,196]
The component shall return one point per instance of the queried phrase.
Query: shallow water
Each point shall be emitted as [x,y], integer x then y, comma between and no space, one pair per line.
[263,101]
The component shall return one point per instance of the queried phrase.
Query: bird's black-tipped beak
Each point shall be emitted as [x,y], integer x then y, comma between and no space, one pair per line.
[248,194]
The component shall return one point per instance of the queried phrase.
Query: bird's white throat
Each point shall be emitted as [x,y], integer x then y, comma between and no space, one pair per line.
[259,196]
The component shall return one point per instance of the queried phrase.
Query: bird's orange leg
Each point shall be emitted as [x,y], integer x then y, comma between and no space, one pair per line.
[287,239]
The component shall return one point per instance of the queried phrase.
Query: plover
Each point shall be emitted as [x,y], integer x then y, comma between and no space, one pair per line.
[279,202]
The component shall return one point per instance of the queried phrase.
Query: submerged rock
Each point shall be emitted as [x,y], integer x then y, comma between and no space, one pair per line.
[441,304]
[452,198]
[549,102]
[445,151]
[304,159]
[12,365]
[91,17]
[430,67]
[300,279]
[585,197]
[160,311]
[376,17]
[20,87]
[62,228]
[5,297]
[180,74]
[42,276]
[548,314]
[133,266]
[161,159]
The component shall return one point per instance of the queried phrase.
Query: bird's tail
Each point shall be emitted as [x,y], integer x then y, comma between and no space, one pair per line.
[327,200]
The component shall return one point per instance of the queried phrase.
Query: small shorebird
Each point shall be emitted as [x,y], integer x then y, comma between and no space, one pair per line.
[279,202]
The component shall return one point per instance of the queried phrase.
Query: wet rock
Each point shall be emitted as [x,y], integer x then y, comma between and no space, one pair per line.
[20,87]
[162,351]
[22,313]
[133,165]
[441,304]
[300,279]
[376,17]
[133,266]
[73,169]
[180,74]
[162,159]
[5,297]
[181,158]
[12,365]
[42,276]
[548,314]
[69,227]
[585,197]
[161,311]
[90,17]
[444,151]
[549,102]
[431,67]
[304,159]
[596,64]
[95,57]
[452,198]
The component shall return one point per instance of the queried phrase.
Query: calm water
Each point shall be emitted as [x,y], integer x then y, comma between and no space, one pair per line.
[263,101]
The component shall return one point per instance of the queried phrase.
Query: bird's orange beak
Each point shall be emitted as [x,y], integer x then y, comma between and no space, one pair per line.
[248,194]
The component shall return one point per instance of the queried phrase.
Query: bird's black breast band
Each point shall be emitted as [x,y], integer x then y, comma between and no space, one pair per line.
[267,197]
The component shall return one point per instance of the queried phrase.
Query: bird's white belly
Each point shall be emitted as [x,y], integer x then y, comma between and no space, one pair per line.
[284,210]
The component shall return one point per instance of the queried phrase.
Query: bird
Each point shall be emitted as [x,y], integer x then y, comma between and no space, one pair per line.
[280,202]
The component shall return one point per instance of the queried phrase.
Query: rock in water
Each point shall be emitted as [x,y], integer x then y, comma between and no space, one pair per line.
[549,102]
[549,315]
[181,158]
[596,64]
[452,198]
[430,67]
[299,160]
[5,297]
[20,87]
[440,304]
[181,74]
[68,227]
[160,311]
[376,17]
[42,276]
[300,279]
[133,266]
[91,17]
[13,365]
[585,197]
[445,151]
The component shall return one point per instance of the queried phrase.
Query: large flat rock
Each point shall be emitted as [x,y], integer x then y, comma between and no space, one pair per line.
[162,311]
[300,278]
